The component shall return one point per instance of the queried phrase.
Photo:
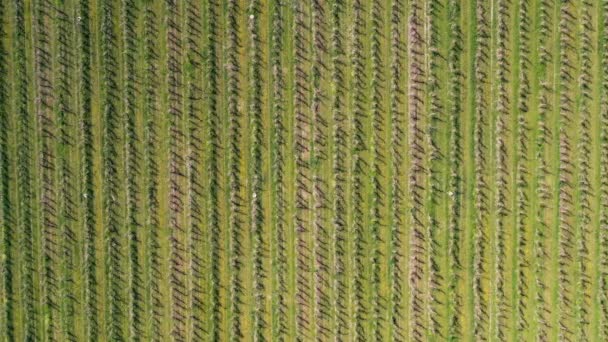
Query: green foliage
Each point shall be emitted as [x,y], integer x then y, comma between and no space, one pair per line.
[389,170]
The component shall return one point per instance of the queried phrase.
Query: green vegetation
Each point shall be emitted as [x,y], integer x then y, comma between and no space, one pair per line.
[343,170]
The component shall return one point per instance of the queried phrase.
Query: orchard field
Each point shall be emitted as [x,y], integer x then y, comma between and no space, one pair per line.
[322,170]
